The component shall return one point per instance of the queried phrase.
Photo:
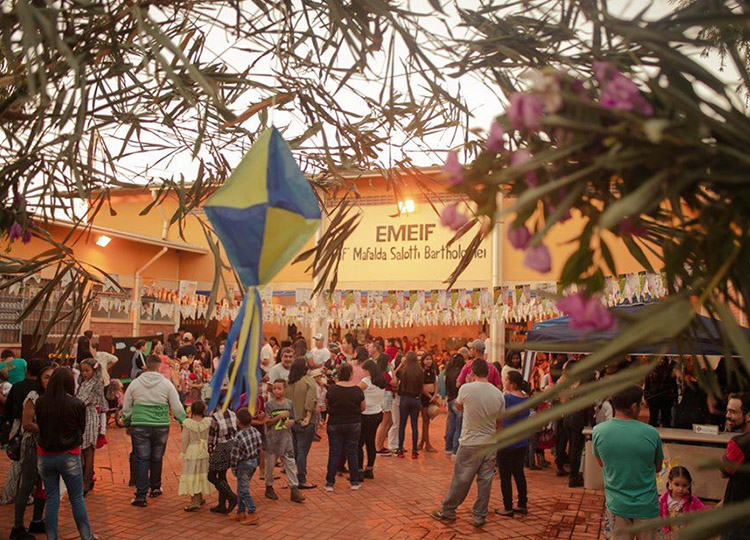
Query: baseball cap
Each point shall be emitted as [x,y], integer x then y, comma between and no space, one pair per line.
[477,344]
[187,336]
[318,336]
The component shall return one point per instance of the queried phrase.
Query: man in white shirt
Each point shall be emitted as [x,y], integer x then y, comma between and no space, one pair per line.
[482,404]
[319,354]
[281,370]
[106,361]
[266,355]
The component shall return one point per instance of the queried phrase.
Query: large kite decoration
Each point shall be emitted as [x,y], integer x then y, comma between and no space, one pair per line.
[263,214]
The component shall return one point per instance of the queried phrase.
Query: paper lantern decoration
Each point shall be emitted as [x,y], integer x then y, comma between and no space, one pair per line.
[263,214]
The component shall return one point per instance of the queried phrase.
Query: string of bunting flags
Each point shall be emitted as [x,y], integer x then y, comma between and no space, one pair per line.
[393,308]
[385,309]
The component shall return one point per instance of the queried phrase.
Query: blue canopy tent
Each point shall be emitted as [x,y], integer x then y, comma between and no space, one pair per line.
[705,338]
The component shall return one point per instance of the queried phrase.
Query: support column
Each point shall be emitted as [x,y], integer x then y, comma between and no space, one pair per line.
[319,325]
[497,324]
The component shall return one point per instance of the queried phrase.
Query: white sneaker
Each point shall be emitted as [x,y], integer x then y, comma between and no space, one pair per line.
[355,487]
[329,488]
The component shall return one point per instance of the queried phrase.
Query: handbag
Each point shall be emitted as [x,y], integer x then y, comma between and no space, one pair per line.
[13,450]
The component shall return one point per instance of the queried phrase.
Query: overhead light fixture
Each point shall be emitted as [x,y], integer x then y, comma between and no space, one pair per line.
[103,240]
[406,207]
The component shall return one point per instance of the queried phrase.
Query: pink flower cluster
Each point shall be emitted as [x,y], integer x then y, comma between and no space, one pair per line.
[619,92]
[586,313]
[520,157]
[452,218]
[16,231]
[525,111]
[453,169]
[537,257]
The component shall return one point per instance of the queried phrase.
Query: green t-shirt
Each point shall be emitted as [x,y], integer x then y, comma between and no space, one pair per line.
[629,449]
[16,369]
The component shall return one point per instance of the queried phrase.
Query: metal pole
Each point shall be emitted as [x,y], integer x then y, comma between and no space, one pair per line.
[319,325]
[497,324]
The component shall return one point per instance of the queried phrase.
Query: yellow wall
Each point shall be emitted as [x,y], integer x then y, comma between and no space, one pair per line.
[125,257]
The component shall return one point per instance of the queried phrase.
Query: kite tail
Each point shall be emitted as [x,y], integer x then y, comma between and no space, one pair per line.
[243,375]
[225,362]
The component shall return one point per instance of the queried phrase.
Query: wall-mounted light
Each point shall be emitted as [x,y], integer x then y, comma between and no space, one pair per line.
[406,207]
[103,240]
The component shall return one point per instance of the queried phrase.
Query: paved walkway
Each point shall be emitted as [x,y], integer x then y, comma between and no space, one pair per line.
[396,505]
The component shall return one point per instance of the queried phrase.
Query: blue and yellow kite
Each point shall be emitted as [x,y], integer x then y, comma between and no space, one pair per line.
[263,214]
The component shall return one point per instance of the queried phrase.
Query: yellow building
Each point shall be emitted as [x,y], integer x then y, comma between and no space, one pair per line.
[399,245]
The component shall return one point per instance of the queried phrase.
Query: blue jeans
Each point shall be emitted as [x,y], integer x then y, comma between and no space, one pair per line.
[303,439]
[453,427]
[408,408]
[149,444]
[343,439]
[67,466]
[244,473]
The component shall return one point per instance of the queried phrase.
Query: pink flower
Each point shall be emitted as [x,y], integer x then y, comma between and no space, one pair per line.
[520,157]
[524,111]
[519,236]
[538,258]
[586,313]
[619,92]
[629,227]
[495,141]
[15,232]
[452,218]
[453,169]
[26,237]
[603,70]
[622,93]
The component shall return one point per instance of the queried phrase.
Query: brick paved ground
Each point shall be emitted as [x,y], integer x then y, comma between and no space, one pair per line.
[395,505]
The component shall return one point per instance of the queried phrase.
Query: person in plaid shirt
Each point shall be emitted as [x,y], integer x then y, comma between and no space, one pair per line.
[221,434]
[244,460]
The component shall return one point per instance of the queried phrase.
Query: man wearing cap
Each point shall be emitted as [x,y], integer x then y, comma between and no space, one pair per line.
[476,351]
[266,355]
[188,348]
[319,354]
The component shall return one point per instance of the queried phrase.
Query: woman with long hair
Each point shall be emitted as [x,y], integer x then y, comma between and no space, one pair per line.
[360,357]
[61,419]
[387,406]
[303,393]
[428,397]
[373,385]
[91,393]
[410,380]
[510,458]
[392,440]
[29,459]
[345,402]
[455,417]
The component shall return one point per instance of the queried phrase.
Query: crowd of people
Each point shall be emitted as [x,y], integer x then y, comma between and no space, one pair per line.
[365,396]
